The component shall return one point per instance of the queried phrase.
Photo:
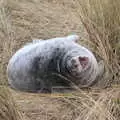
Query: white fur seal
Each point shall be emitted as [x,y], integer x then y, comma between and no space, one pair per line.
[43,64]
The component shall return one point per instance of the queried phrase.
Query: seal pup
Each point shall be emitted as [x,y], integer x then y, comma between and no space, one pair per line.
[43,64]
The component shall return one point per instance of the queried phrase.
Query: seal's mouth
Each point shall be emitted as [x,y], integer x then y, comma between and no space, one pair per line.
[83,61]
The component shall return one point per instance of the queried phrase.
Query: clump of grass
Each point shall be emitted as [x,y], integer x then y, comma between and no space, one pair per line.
[6,39]
[8,109]
[102,105]
[101,20]
[95,104]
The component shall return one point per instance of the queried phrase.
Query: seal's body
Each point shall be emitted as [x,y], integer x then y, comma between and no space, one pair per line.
[42,65]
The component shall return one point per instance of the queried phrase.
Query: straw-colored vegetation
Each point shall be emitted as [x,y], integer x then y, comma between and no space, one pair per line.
[101,20]
[98,24]
[8,109]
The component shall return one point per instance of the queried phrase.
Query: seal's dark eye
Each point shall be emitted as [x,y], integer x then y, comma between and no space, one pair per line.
[75,66]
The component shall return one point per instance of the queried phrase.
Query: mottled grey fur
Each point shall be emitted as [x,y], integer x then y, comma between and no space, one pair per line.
[43,64]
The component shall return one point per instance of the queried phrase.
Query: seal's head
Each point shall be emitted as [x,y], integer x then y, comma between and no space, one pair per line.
[77,64]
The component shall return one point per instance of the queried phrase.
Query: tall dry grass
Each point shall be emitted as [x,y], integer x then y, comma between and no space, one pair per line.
[7,36]
[8,108]
[101,20]
[97,104]
[94,105]
[23,20]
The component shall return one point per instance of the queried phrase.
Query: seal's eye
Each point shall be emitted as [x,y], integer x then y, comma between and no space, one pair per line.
[75,66]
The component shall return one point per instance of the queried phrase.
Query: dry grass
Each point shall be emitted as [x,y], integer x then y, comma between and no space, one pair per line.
[8,109]
[101,20]
[23,20]
[82,105]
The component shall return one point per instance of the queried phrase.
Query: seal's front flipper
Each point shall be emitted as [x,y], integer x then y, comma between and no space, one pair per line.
[73,38]
[100,73]
[45,90]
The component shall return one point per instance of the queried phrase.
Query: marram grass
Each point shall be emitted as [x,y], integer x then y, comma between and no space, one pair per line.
[101,20]
[8,108]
